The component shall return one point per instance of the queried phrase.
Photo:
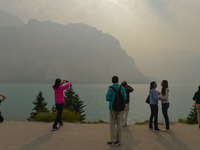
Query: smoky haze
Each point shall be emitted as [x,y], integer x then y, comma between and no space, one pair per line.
[156,34]
[42,51]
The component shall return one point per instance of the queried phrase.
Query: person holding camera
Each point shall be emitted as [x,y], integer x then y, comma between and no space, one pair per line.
[128,90]
[58,88]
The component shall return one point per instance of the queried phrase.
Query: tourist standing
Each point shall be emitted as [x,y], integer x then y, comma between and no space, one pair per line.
[115,116]
[1,100]
[58,88]
[154,106]
[197,99]
[128,90]
[164,96]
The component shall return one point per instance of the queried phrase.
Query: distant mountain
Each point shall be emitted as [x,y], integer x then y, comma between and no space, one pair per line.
[43,51]
[8,20]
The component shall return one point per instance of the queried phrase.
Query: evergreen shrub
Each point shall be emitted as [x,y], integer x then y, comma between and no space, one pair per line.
[67,116]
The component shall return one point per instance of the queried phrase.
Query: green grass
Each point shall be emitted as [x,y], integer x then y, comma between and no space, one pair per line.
[141,123]
[67,116]
[182,121]
[95,122]
[147,122]
[185,121]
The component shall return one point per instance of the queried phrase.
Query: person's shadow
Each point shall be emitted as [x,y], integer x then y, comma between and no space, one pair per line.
[36,144]
[128,142]
[174,143]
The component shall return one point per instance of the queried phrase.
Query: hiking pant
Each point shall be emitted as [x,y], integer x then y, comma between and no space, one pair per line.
[198,113]
[165,107]
[115,131]
[58,119]
[154,114]
[125,115]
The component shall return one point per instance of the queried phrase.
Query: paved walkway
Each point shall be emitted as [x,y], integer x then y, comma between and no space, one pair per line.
[18,135]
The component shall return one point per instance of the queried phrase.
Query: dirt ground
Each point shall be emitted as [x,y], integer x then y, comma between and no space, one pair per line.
[19,135]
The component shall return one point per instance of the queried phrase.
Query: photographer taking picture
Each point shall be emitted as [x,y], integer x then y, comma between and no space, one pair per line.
[58,88]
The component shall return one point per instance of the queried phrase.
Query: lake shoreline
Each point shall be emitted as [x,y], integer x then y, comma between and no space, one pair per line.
[18,104]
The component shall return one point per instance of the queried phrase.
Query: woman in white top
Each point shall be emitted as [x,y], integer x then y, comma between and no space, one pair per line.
[164,96]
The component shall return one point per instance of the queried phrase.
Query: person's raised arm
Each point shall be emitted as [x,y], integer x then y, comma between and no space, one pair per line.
[64,87]
[4,97]
[129,89]
[196,95]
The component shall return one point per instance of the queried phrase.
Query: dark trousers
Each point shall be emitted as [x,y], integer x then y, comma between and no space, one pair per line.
[154,114]
[165,107]
[58,119]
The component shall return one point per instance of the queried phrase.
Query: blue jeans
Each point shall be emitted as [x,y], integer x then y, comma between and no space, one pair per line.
[154,114]
[165,107]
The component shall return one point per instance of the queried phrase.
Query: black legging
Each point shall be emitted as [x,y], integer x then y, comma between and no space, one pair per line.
[58,119]
[154,114]
[165,107]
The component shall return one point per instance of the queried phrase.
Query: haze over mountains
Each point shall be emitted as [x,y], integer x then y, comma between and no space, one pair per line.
[8,20]
[42,51]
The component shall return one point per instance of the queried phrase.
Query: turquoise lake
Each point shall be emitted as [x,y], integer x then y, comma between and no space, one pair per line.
[18,104]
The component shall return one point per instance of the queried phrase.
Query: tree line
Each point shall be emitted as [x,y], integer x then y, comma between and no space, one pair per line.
[73,108]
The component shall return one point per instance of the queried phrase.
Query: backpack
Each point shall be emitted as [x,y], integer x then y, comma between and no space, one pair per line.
[119,103]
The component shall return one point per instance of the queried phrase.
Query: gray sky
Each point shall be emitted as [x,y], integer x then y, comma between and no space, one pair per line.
[145,28]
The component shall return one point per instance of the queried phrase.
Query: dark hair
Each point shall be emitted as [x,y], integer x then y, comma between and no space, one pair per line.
[152,84]
[57,83]
[199,87]
[115,79]
[124,83]
[165,85]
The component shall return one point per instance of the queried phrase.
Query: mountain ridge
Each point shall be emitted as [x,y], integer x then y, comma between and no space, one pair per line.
[42,51]
[9,20]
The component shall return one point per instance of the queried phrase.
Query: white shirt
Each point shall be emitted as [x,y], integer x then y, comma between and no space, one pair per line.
[165,98]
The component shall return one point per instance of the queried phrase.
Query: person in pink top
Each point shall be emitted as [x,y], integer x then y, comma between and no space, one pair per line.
[58,88]
[1,100]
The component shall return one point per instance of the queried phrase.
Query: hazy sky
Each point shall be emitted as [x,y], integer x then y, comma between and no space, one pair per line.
[145,28]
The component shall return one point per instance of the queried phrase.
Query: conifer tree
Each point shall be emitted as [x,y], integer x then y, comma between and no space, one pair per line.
[53,109]
[192,116]
[40,105]
[73,102]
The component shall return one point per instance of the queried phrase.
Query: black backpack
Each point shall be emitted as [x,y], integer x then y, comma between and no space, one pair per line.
[119,103]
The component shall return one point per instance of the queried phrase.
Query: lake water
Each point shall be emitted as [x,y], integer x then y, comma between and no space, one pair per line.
[18,104]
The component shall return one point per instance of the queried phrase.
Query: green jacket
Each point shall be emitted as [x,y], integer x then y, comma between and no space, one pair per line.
[110,96]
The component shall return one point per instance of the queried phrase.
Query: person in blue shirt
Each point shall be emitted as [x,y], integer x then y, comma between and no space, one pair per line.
[115,116]
[154,105]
